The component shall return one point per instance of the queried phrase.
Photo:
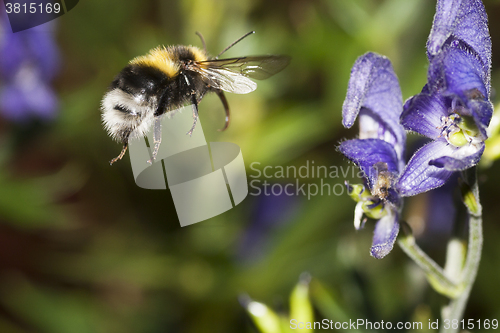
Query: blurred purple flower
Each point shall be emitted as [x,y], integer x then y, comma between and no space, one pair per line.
[29,60]
[270,212]
[453,108]
[433,215]
[374,95]
[441,211]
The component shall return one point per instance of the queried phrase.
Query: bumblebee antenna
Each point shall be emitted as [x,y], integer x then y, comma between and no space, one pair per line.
[202,40]
[235,42]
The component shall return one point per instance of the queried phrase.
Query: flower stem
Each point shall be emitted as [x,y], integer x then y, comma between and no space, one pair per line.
[435,274]
[455,310]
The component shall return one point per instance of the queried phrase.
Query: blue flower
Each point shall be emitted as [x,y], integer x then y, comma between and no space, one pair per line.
[454,107]
[29,61]
[374,95]
[270,213]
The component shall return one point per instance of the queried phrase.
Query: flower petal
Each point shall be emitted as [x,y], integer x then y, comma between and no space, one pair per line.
[13,53]
[13,104]
[394,197]
[481,112]
[422,114]
[458,71]
[465,20]
[463,158]
[441,212]
[366,153]
[419,176]
[358,216]
[374,86]
[384,235]
[43,102]
[26,96]
[43,48]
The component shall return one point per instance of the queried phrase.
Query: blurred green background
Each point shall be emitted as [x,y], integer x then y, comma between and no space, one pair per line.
[83,249]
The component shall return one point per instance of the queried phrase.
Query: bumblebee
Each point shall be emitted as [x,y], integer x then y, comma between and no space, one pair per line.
[169,77]
[385,181]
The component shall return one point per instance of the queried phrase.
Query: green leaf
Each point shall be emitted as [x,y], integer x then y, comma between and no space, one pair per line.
[327,303]
[266,320]
[300,305]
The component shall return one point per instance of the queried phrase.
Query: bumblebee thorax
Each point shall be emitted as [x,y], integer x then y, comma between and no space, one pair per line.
[170,59]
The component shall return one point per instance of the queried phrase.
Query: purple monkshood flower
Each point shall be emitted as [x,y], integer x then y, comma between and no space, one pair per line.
[374,96]
[29,61]
[454,107]
[269,214]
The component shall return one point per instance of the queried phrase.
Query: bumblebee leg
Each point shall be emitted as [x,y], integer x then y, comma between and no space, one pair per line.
[195,114]
[156,139]
[119,157]
[223,99]
[200,96]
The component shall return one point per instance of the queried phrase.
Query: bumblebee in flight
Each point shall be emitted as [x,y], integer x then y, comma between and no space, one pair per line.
[167,78]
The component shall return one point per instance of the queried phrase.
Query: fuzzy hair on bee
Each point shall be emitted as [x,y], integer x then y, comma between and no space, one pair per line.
[167,78]
[385,181]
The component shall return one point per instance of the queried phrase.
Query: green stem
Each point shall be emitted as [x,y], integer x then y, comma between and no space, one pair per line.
[455,310]
[458,292]
[435,274]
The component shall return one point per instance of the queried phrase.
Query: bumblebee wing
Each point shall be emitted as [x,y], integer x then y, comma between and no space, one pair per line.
[227,80]
[254,67]
[232,74]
